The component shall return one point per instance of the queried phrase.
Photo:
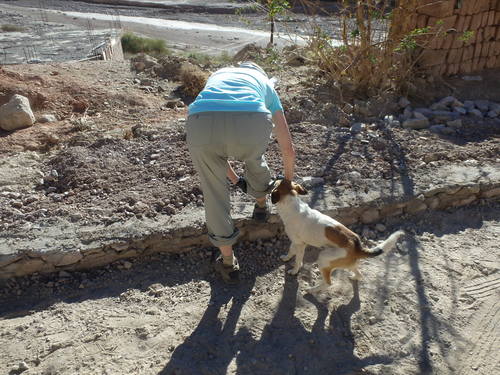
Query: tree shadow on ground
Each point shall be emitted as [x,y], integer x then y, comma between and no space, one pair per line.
[287,347]
[432,326]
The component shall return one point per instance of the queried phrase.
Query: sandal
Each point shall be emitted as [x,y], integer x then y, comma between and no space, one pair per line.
[260,214]
[229,273]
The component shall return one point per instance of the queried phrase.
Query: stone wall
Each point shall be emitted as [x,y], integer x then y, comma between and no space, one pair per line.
[465,35]
[448,187]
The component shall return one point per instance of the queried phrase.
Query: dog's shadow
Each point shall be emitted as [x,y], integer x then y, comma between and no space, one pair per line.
[286,346]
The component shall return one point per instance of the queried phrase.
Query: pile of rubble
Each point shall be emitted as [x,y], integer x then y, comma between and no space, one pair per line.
[445,116]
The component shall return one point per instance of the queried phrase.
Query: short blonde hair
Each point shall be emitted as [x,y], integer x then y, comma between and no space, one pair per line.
[252,65]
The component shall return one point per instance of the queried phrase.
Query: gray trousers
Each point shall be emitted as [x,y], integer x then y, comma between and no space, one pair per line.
[212,138]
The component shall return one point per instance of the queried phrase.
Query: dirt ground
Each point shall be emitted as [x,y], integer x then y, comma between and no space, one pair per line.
[118,151]
[118,142]
[431,306]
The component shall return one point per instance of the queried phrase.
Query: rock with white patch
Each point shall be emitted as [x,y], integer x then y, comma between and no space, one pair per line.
[358,127]
[47,118]
[16,114]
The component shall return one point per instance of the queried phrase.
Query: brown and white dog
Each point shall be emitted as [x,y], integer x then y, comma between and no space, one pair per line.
[306,226]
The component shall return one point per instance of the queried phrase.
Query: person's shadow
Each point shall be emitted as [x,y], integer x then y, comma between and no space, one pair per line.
[213,344]
[287,347]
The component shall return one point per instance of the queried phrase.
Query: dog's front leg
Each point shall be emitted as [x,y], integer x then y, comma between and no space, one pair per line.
[291,253]
[299,256]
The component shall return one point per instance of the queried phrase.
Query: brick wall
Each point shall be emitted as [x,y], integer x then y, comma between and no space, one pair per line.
[467,35]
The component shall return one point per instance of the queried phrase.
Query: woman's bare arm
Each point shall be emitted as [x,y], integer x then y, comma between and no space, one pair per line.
[282,133]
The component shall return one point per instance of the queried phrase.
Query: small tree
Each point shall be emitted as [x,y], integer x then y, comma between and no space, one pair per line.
[273,8]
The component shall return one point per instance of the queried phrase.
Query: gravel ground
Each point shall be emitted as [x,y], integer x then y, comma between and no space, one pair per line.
[128,151]
[431,306]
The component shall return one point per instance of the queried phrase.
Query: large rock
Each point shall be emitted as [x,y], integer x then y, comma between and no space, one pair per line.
[143,62]
[16,114]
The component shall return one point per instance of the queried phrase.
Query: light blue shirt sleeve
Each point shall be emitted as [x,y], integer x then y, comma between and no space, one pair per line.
[272,101]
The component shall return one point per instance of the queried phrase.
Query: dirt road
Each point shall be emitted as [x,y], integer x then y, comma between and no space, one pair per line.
[429,307]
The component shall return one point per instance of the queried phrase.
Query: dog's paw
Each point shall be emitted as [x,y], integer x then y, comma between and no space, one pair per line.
[293,271]
[356,276]
[316,289]
[285,258]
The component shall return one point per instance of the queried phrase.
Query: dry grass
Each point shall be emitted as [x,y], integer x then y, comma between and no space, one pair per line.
[193,79]
[373,51]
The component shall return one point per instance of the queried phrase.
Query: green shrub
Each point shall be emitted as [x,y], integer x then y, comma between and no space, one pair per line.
[132,43]
[10,28]
[204,59]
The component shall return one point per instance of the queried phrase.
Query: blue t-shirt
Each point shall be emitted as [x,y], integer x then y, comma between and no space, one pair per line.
[237,90]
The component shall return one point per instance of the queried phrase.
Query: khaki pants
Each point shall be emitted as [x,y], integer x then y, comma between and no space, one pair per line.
[212,138]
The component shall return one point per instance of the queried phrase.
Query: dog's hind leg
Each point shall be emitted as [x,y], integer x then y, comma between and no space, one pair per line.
[326,273]
[299,257]
[356,274]
[328,260]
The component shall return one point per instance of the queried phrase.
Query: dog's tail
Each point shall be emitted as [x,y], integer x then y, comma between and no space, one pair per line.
[385,246]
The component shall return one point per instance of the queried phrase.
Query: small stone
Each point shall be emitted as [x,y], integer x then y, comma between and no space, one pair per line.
[472,78]
[476,113]
[407,113]
[127,265]
[416,124]
[482,105]
[47,118]
[444,115]
[437,128]
[312,181]
[358,127]
[440,106]
[455,123]
[420,116]
[469,104]
[380,227]
[493,114]
[23,366]
[16,204]
[64,274]
[448,131]
[425,111]
[460,110]
[403,102]
[372,320]
[354,175]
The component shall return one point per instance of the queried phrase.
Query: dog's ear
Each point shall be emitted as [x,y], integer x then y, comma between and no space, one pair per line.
[275,196]
[300,190]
